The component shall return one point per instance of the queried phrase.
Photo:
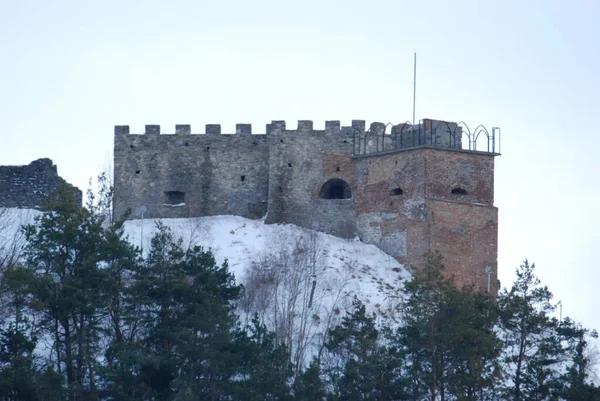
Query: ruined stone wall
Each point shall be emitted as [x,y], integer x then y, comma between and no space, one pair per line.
[28,186]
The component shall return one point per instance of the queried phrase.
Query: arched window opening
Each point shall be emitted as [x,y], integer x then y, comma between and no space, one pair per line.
[335,189]
[459,191]
[175,198]
[396,192]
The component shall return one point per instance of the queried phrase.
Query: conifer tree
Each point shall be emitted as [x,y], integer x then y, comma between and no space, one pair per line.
[18,373]
[448,337]
[265,365]
[361,366]
[65,253]
[182,347]
[309,386]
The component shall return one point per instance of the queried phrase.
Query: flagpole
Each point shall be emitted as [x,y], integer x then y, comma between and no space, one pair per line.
[414,88]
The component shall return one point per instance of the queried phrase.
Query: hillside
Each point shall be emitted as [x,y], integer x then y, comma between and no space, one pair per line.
[354,267]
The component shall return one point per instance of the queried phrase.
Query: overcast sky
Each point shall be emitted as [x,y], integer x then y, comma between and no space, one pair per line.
[71,70]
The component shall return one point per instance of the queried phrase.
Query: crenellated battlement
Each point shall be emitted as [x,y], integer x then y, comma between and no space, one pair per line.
[378,138]
[275,126]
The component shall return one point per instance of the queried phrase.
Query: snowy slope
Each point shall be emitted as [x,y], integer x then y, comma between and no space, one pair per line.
[11,235]
[373,276]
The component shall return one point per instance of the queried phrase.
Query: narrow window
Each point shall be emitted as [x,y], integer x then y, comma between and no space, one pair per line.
[243,178]
[459,191]
[175,198]
[396,192]
[335,189]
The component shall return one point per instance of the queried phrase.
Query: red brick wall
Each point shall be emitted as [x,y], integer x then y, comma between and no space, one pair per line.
[427,215]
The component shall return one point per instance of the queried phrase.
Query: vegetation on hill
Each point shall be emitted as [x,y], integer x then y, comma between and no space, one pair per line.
[86,316]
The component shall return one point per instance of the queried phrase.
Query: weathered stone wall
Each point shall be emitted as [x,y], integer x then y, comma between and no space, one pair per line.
[300,163]
[218,173]
[28,186]
[470,171]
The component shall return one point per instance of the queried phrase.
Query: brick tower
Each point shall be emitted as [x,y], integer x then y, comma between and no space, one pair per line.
[421,190]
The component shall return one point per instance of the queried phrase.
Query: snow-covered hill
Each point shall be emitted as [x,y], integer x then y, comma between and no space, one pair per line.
[373,276]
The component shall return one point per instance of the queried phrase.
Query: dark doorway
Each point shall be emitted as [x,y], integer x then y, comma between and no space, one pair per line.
[335,189]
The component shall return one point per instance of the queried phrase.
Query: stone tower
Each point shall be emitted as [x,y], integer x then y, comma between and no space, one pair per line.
[407,190]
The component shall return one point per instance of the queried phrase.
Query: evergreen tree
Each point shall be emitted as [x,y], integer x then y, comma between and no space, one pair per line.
[574,384]
[182,344]
[362,367]
[17,340]
[448,337]
[17,369]
[65,252]
[309,386]
[265,365]
[531,342]
[471,348]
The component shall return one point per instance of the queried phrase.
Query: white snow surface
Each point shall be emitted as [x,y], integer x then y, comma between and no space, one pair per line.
[376,278]
[11,235]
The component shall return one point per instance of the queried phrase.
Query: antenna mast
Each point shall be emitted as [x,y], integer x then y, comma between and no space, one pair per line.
[414,88]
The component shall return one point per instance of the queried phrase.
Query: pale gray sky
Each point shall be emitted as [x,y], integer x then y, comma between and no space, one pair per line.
[71,70]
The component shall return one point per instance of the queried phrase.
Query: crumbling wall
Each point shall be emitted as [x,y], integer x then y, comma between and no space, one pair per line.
[28,186]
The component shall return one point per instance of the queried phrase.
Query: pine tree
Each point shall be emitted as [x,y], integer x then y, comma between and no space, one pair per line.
[18,374]
[448,337]
[532,344]
[265,365]
[309,386]
[574,384]
[65,253]
[470,346]
[182,345]
[362,367]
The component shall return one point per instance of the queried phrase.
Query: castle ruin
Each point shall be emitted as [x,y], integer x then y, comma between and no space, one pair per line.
[30,185]
[404,188]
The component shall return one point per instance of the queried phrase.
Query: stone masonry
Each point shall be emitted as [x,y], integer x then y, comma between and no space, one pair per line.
[28,186]
[407,191]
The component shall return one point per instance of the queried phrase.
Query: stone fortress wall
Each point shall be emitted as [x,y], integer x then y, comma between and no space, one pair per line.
[28,186]
[406,189]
